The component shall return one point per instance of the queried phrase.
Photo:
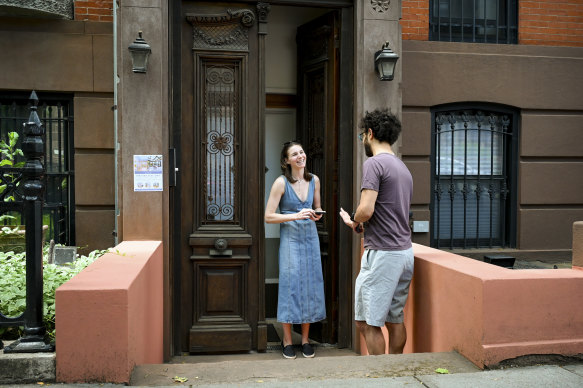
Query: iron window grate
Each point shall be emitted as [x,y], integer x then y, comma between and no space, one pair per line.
[56,114]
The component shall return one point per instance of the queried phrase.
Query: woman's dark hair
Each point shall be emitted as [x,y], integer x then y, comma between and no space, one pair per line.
[385,126]
[286,168]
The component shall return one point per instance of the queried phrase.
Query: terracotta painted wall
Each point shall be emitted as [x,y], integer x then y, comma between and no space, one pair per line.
[109,316]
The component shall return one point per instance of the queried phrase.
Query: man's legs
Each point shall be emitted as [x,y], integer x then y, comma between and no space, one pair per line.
[373,336]
[397,337]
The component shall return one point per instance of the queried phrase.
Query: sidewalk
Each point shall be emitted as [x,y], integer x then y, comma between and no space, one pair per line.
[341,368]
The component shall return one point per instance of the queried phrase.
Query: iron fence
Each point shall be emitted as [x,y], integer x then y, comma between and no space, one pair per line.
[56,116]
[22,192]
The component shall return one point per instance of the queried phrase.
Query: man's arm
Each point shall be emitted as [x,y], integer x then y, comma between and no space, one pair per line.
[365,208]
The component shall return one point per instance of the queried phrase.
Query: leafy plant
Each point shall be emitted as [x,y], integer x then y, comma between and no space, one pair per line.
[9,153]
[13,286]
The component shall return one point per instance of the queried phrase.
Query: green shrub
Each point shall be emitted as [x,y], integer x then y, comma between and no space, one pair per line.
[13,286]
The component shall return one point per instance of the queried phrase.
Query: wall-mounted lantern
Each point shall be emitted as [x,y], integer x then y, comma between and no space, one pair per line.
[384,63]
[140,51]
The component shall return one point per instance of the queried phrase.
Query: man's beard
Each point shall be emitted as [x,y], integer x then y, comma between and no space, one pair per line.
[367,148]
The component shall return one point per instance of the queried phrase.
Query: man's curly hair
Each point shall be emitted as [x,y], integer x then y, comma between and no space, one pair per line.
[385,126]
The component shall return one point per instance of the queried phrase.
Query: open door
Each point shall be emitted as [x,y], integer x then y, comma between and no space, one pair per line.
[222,305]
[318,86]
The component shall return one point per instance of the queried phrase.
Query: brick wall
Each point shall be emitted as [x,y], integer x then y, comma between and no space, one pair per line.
[540,22]
[94,10]
[551,22]
[415,19]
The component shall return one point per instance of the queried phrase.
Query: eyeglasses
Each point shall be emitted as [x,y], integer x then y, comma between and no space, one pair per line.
[361,135]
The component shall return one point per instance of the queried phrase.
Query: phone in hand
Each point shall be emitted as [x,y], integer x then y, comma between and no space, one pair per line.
[319,212]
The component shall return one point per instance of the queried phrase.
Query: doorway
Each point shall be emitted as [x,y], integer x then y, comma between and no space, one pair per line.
[228,138]
[302,103]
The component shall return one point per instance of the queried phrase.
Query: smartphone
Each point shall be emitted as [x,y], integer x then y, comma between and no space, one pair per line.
[319,212]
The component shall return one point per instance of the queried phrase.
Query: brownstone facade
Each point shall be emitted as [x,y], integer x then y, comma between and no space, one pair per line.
[73,58]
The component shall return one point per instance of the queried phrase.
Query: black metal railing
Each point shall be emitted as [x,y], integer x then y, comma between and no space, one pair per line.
[471,179]
[477,21]
[24,189]
[56,116]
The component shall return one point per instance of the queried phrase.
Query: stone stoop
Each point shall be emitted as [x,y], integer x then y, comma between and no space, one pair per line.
[23,368]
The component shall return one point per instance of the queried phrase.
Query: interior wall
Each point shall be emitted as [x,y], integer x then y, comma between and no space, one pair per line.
[280,46]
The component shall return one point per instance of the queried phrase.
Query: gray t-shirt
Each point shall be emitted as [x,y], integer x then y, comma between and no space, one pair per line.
[388,228]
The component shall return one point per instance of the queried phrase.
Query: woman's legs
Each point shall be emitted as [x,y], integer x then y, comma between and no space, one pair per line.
[305,333]
[287,337]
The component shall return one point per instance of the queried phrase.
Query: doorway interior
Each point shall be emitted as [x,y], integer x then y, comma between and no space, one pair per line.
[283,122]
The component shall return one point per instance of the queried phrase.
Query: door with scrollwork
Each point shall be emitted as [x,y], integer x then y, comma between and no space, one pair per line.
[222,306]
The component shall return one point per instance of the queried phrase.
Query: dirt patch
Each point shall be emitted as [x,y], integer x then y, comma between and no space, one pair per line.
[538,359]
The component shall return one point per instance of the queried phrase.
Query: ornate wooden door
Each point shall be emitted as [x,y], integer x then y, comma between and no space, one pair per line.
[222,303]
[318,130]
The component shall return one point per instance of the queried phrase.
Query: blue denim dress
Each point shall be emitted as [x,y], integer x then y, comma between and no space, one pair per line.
[301,285]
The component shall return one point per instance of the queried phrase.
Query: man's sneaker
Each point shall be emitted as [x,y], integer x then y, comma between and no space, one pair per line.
[288,351]
[307,350]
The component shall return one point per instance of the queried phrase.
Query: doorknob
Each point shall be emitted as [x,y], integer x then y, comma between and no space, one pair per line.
[221,248]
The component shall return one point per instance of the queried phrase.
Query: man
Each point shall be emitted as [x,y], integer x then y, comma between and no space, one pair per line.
[382,285]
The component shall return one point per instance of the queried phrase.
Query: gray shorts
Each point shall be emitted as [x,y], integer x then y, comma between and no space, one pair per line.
[382,286]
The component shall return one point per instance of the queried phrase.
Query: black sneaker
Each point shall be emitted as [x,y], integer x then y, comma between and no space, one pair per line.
[307,350]
[288,351]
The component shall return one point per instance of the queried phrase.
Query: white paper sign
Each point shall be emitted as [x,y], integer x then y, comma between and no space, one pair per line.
[148,173]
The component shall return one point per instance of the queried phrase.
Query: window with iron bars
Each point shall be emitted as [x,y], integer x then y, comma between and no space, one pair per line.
[476,21]
[56,114]
[474,177]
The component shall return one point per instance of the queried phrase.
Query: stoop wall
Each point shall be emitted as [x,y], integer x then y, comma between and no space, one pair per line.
[489,313]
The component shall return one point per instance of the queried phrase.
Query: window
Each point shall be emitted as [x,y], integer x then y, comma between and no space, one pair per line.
[478,21]
[474,190]
[56,115]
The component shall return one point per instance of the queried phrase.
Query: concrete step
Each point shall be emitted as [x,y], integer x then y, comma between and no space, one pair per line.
[23,368]
[329,364]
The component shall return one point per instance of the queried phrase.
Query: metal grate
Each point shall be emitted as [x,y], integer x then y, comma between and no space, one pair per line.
[221,110]
[477,21]
[471,182]
[56,115]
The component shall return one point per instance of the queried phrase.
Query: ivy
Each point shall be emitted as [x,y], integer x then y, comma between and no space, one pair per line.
[13,287]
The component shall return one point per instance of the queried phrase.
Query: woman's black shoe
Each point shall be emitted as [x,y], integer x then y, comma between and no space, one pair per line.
[307,350]
[288,351]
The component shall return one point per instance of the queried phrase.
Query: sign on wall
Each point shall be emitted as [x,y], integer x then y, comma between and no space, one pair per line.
[148,173]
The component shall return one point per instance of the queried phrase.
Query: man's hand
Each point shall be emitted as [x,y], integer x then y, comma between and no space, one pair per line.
[357,227]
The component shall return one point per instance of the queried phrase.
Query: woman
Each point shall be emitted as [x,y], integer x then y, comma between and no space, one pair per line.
[301,285]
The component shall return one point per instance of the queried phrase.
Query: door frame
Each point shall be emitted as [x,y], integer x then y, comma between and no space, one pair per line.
[345,160]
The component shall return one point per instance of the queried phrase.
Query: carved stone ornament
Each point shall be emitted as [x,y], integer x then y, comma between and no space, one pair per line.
[226,31]
[56,9]
[381,6]
[262,11]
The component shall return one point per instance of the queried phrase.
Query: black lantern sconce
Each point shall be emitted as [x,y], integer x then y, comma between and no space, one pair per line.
[140,51]
[384,63]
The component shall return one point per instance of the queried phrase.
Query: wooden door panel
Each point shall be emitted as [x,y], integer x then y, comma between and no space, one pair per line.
[221,257]
[221,291]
